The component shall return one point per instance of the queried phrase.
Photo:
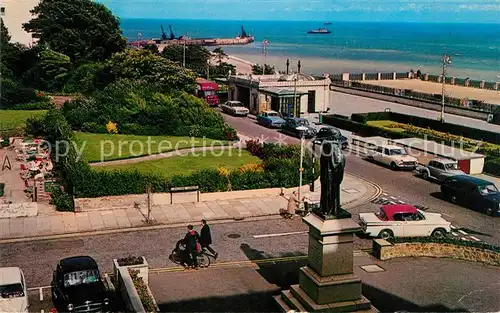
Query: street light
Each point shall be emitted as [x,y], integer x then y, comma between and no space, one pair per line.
[302,130]
[446,60]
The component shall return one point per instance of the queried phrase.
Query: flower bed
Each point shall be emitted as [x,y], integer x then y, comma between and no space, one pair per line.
[143,290]
[130,260]
[436,248]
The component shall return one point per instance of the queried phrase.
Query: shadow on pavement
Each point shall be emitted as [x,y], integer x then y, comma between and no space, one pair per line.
[387,302]
[255,302]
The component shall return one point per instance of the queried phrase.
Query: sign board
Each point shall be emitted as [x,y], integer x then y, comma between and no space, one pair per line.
[50,186]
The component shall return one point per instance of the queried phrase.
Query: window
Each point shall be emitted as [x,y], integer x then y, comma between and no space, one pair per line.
[432,164]
[440,166]
[81,277]
[2,11]
[484,190]
[11,291]
[451,166]
[398,217]
[380,149]
[398,152]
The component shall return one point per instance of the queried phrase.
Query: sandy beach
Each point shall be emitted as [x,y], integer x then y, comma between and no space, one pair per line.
[488,96]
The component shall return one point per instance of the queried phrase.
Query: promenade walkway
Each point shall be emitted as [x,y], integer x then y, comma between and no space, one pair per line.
[220,206]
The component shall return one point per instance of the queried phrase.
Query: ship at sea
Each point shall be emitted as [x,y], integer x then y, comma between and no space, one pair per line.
[319,31]
[165,40]
[328,23]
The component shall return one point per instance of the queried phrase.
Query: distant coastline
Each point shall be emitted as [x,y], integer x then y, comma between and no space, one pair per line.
[352,47]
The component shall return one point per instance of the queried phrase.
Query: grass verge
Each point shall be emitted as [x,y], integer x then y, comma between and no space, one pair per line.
[11,119]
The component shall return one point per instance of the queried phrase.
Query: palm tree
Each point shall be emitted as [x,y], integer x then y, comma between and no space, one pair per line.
[220,54]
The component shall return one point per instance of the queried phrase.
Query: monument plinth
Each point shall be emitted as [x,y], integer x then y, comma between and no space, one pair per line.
[327,283]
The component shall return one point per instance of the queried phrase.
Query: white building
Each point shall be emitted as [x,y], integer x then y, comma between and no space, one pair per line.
[276,92]
[14,13]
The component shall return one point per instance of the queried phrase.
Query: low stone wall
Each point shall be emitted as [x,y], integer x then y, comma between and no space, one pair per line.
[384,250]
[411,102]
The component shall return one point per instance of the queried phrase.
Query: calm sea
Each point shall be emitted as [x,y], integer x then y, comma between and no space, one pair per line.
[475,48]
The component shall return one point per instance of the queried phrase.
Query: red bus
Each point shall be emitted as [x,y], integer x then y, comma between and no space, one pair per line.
[207,90]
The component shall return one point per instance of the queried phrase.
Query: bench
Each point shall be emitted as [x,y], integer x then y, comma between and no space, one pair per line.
[185,189]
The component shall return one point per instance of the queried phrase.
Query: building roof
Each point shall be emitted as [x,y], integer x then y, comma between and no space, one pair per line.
[298,76]
[10,275]
[281,92]
[437,149]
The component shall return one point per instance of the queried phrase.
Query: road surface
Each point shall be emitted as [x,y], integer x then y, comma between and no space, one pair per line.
[404,186]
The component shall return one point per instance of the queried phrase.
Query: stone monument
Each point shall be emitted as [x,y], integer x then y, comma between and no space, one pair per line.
[327,283]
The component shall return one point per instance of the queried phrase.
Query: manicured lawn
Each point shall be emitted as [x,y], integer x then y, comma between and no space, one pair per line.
[115,147]
[190,163]
[385,124]
[10,119]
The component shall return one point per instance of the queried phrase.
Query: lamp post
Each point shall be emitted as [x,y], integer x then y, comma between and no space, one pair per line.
[297,114]
[445,60]
[302,130]
[313,164]
[183,53]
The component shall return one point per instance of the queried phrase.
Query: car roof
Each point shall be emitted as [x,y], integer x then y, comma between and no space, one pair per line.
[296,118]
[10,275]
[443,160]
[234,101]
[391,147]
[77,263]
[269,111]
[392,209]
[472,180]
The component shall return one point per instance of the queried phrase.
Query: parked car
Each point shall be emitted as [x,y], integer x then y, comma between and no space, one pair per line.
[291,125]
[77,286]
[472,192]
[403,220]
[270,119]
[331,133]
[13,293]
[235,108]
[439,169]
[394,156]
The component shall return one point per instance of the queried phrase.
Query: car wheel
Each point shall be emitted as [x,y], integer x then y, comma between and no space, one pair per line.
[453,198]
[439,233]
[394,167]
[490,211]
[386,234]
[425,175]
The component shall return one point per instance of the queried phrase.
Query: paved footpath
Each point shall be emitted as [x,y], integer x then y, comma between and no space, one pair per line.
[213,206]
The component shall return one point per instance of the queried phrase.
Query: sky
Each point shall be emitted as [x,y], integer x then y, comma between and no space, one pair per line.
[462,11]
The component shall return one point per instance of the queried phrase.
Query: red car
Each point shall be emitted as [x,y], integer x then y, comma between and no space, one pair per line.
[403,220]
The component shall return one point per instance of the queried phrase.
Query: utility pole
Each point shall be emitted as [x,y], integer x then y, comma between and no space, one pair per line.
[297,113]
[446,60]
[264,51]
[184,53]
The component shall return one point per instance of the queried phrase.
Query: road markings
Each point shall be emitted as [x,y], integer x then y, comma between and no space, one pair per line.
[41,293]
[475,238]
[37,288]
[453,227]
[462,232]
[393,198]
[385,193]
[280,234]
[454,234]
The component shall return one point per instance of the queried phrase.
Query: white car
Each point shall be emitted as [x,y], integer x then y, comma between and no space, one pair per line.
[403,220]
[13,293]
[394,156]
[235,108]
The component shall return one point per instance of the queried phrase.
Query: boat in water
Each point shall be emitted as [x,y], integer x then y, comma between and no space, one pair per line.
[319,31]
[328,23]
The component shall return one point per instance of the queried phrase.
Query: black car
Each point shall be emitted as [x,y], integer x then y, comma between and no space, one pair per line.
[291,125]
[472,192]
[331,133]
[77,286]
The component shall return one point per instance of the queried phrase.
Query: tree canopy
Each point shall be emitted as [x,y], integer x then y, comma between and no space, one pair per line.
[80,29]
[196,56]
[258,70]
[152,68]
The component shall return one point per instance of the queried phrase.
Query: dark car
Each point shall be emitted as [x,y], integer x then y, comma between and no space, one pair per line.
[472,192]
[331,133]
[77,286]
[291,125]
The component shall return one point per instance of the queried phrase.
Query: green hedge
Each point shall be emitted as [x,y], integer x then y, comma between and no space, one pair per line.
[492,166]
[362,129]
[40,105]
[458,242]
[460,130]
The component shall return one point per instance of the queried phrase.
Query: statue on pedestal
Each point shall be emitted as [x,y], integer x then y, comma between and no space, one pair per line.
[332,164]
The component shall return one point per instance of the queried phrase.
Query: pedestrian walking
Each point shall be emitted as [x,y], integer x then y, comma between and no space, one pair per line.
[293,203]
[206,238]
[191,241]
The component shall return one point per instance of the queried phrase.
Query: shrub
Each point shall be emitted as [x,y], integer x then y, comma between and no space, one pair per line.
[251,167]
[62,201]
[492,166]
[92,127]
[130,260]
[458,242]
[143,291]
[41,105]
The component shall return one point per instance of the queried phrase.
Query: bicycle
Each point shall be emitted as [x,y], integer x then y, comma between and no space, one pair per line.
[202,257]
